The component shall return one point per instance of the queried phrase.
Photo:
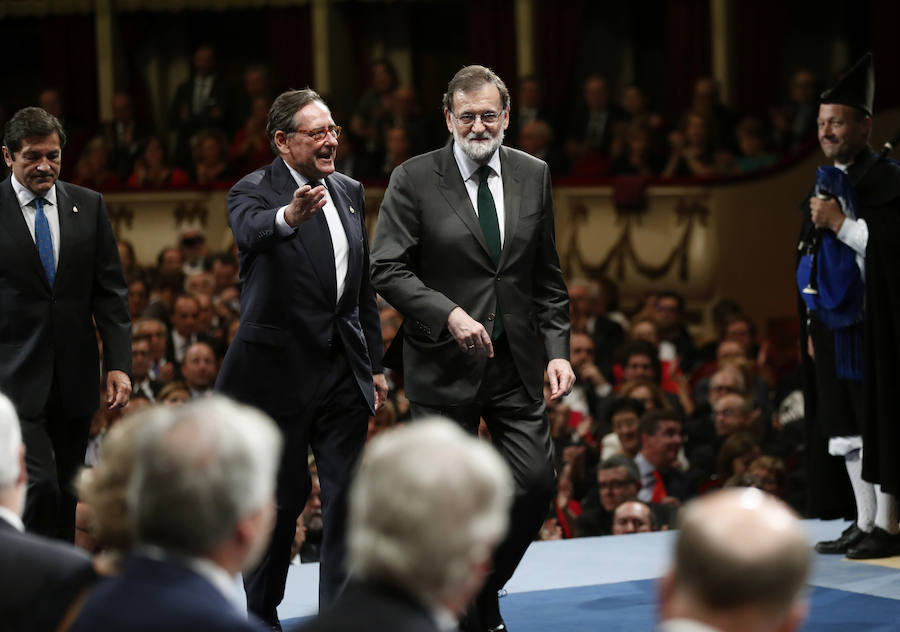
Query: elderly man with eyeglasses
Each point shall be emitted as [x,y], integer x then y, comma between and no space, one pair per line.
[465,250]
[308,349]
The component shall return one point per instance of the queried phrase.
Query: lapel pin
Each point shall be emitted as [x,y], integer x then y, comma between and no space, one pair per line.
[351,210]
[74,209]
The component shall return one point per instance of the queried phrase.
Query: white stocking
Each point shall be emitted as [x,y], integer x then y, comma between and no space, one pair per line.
[863,492]
[886,511]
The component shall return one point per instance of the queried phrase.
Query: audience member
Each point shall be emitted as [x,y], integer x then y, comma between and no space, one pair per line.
[199,369]
[201,102]
[795,123]
[184,327]
[93,169]
[250,148]
[124,135]
[39,578]
[720,118]
[691,150]
[151,170]
[592,125]
[210,158]
[536,138]
[753,141]
[740,565]
[158,334]
[637,156]
[529,108]
[257,86]
[618,480]
[735,412]
[141,361]
[374,112]
[662,480]
[740,449]
[138,298]
[624,416]
[174,394]
[201,501]
[451,493]
[632,516]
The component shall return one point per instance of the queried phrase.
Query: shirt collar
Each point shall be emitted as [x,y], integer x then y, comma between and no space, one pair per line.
[26,195]
[299,179]
[12,518]
[467,166]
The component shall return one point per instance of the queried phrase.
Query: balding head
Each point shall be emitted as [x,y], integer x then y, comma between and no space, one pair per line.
[741,562]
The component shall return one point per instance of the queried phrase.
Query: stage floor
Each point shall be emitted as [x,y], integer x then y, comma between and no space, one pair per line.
[607,583]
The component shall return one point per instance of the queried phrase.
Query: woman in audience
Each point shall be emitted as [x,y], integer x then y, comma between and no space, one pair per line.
[173,394]
[151,170]
[92,169]
[211,158]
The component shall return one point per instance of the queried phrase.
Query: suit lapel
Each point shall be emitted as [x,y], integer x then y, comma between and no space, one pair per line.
[352,230]
[512,198]
[68,226]
[13,223]
[453,189]
[312,236]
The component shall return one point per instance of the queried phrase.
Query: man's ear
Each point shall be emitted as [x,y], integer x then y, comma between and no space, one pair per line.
[23,472]
[7,157]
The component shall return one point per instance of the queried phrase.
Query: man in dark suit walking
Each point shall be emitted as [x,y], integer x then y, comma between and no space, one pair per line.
[465,250]
[39,578]
[309,342]
[59,269]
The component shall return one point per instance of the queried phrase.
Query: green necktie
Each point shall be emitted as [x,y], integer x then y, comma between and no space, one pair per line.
[487,217]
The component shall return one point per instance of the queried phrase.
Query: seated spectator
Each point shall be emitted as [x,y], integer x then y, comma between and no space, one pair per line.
[420,131]
[151,169]
[201,501]
[566,509]
[590,387]
[257,84]
[374,112]
[308,540]
[639,359]
[174,394]
[93,170]
[624,415]
[720,118]
[225,272]
[39,578]
[769,474]
[138,298]
[384,419]
[129,262]
[210,153]
[646,392]
[740,564]
[157,333]
[672,380]
[737,453]
[618,480]
[141,361]
[795,123]
[734,412]
[633,516]
[423,575]
[590,131]
[201,282]
[637,156]
[124,135]
[753,141]
[199,369]
[669,316]
[529,107]
[691,151]
[250,148]
[636,106]
[662,480]
[536,138]
[396,150]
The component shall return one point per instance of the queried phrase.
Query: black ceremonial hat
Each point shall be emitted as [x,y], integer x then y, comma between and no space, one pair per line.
[855,88]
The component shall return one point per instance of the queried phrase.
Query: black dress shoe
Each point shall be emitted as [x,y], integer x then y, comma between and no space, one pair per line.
[875,545]
[851,536]
[488,605]
[498,628]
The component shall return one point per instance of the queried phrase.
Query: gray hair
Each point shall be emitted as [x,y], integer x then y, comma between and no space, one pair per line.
[741,548]
[471,78]
[31,122]
[10,442]
[283,110]
[620,460]
[198,470]
[428,503]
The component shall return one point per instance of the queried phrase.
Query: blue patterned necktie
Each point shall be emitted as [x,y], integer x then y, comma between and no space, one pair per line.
[44,240]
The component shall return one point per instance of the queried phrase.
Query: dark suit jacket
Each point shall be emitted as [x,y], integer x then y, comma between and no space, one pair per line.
[365,606]
[153,595]
[430,255]
[39,579]
[289,317]
[43,330]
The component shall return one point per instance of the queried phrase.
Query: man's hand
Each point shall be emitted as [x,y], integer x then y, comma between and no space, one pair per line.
[470,335]
[304,204]
[826,213]
[561,377]
[118,389]
[381,389]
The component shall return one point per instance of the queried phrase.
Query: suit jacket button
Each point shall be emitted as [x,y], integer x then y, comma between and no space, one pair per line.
[329,342]
[491,316]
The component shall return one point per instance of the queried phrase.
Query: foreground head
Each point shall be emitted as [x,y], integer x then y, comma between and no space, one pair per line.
[204,479]
[427,507]
[476,109]
[741,562]
[12,458]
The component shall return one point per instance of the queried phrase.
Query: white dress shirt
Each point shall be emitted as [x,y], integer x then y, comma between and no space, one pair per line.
[51,210]
[12,518]
[468,169]
[335,227]
[855,233]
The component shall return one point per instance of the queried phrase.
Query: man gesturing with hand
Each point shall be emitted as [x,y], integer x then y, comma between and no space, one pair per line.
[465,249]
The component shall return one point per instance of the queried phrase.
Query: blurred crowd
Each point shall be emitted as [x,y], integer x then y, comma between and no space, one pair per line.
[214,132]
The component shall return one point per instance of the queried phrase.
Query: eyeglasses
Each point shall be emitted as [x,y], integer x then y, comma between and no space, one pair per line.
[318,134]
[487,118]
[613,484]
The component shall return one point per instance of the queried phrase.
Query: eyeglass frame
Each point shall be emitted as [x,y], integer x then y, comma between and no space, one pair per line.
[334,130]
[476,116]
